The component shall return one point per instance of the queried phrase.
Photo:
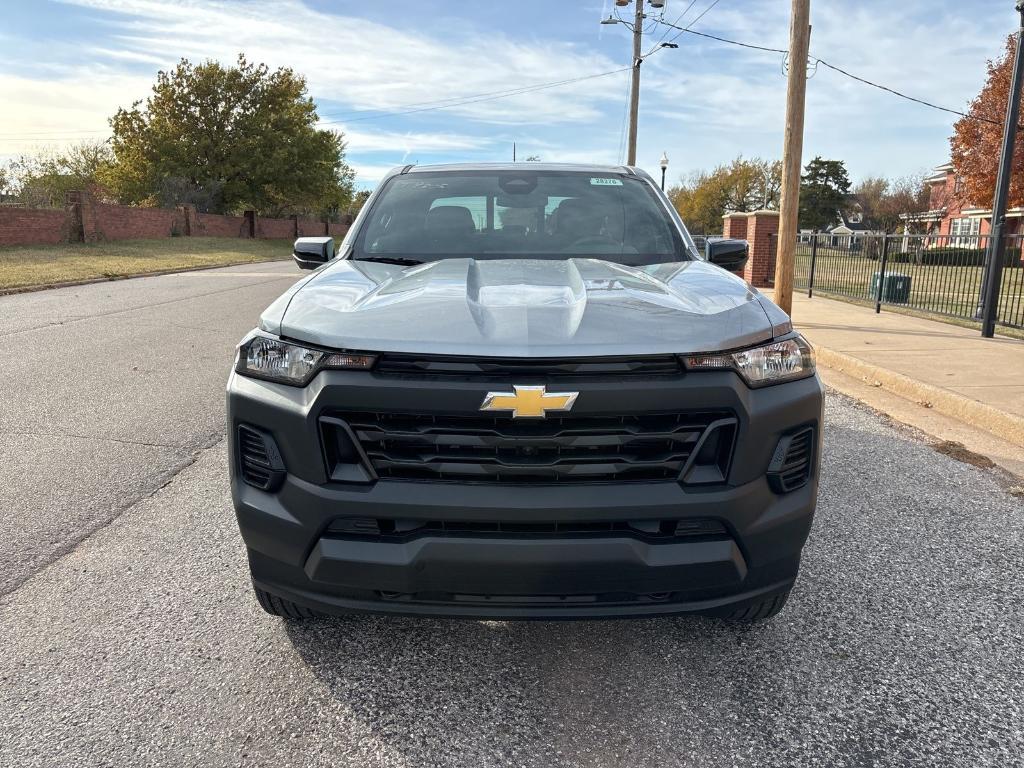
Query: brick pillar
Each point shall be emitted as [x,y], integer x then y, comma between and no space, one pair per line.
[193,227]
[734,226]
[73,204]
[87,209]
[762,234]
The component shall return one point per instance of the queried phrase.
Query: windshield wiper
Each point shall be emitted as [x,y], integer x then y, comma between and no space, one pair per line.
[400,260]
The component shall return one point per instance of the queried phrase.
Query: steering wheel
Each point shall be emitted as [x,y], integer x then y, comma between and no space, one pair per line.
[590,240]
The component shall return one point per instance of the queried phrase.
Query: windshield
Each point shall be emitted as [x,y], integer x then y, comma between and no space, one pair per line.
[425,216]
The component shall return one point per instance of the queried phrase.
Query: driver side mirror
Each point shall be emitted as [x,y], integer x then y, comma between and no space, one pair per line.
[727,254]
[313,252]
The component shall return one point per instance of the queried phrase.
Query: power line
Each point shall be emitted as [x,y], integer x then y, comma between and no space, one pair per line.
[727,40]
[840,70]
[676,22]
[905,96]
[428,106]
[700,16]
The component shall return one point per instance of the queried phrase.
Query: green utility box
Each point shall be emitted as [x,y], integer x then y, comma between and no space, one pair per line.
[896,288]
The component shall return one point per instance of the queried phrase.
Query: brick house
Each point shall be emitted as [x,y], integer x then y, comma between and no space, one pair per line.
[949,215]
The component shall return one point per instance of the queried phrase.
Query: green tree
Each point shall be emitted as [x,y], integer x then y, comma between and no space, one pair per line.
[824,190]
[358,201]
[743,185]
[43,179]
[883,202]
[227,139]
[978,136]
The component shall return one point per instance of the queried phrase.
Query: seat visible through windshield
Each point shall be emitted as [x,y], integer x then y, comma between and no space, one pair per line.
[500,214]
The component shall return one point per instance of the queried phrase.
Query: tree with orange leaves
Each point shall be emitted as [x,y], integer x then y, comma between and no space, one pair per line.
[977,139]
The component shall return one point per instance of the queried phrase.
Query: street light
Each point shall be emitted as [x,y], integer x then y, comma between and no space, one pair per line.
[664,167]
[637,28]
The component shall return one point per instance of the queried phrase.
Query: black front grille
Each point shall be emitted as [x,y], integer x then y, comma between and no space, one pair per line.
[500,449]
[791,465]
[444,366]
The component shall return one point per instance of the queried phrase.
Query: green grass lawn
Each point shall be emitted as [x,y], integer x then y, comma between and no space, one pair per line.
[945,289]
[42,265]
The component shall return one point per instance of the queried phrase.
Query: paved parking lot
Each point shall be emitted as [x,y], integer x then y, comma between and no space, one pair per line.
[131,638]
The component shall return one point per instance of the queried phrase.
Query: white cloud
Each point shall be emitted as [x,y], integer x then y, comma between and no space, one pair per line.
[367,175]
[368,65]
[408,142]
[54,112]
[704,103]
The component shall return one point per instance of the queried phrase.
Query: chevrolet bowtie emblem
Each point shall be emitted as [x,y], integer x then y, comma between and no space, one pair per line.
[529,402]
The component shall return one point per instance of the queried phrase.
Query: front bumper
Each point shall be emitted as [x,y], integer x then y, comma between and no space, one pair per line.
[511,575]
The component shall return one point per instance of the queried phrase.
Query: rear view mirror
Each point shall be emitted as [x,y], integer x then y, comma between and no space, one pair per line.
[313,252]
[728,254]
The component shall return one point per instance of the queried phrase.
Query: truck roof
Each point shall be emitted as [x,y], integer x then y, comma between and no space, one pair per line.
[521,166]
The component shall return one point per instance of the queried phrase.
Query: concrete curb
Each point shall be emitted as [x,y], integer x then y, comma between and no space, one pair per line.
[155,273]
[999,423]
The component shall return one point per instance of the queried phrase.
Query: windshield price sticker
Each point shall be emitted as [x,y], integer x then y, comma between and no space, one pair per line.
[600,182]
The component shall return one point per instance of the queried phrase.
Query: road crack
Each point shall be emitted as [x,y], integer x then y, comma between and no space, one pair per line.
[81,535]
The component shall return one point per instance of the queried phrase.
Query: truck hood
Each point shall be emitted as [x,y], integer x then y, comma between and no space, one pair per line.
[524,308]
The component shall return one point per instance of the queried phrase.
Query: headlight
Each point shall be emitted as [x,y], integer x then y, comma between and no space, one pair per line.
[267,358]
[760,366]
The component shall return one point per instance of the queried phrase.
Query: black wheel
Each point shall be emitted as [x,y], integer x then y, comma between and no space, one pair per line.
[278,606]
[761,610]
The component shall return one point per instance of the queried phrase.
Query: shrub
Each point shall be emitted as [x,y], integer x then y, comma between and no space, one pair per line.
[952,257]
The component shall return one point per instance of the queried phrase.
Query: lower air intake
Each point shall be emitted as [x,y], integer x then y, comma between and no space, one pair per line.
[792,461]
[259,460]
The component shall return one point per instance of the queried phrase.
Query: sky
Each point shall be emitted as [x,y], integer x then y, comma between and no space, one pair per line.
[373,66]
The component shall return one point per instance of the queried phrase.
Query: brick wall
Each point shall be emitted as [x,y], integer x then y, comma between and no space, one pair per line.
[92,221]
[275,228]
[215,225]
[35,226]
[310,227]
[125,222]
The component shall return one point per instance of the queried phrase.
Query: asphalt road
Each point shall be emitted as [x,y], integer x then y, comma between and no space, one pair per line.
[130,637]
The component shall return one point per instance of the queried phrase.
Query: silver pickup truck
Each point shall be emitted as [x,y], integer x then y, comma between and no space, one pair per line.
[519,391]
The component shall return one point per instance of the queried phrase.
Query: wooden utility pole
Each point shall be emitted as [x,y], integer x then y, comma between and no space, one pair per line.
[634,88]
[792,151]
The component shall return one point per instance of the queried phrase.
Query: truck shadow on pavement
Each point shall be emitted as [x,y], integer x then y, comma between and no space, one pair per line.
[897,647]
[434,690]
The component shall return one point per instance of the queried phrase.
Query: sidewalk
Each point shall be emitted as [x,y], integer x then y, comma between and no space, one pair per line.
[938,365]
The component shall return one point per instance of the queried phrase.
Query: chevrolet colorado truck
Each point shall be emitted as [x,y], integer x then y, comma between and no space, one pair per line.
[520,391]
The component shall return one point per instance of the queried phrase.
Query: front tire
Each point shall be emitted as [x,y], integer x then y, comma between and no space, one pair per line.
[278,606]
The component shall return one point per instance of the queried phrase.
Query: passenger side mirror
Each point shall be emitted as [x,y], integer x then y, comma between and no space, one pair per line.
[728,254]
[313,252]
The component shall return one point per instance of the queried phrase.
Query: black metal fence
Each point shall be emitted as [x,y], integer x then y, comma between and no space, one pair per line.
[701,240]
[928,273]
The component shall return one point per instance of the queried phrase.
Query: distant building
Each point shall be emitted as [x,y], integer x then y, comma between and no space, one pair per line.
[847,232]
[950,215]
